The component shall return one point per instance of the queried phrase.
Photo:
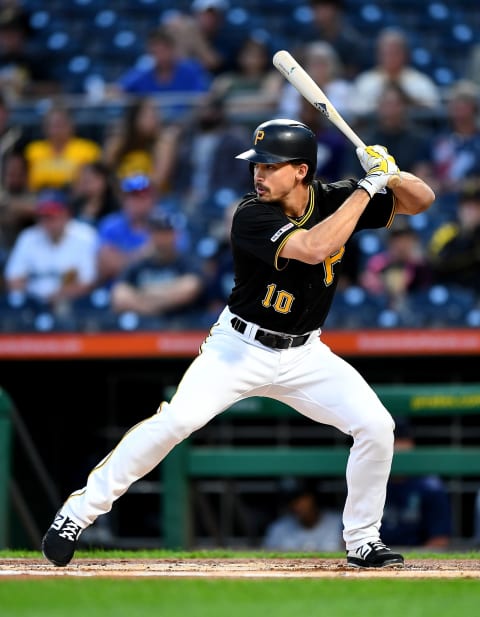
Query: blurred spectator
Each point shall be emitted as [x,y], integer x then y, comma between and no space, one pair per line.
[454,249]
[17,202]
[417,508]
[393,128]
[322,63]
[206,36]
[141,143]
[23,73]
[125,235]
[330,24]
[306,524]
[473,65]
[253,88]
[54,161]
[393,65]
[207,175]
[333,148]
[11,136]
[163,282]
[400,269]
[168,73]
[476,520]
[218,266]
[94,194]
[455,152]
[54,261]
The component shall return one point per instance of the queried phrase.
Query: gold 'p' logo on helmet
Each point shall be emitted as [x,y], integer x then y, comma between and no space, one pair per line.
[259,136]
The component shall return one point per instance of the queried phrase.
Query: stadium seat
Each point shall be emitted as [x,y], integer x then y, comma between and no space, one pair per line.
[441,306]
[354,308]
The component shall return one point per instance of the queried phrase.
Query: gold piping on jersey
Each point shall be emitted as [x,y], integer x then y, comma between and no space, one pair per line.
[308,212]
[280,247]
[297,224]
[392,214]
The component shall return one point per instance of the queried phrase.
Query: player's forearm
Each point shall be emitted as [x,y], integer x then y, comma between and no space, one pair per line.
[328,236]
[174,294]
[412,195]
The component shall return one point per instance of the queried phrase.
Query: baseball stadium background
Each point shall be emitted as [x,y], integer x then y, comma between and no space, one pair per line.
[67,395]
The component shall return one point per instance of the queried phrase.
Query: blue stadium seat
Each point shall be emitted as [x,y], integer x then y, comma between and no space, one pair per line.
[354,308]
[441,306]
[93,313]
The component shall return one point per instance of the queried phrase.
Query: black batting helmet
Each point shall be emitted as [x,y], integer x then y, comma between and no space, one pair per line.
[280,141]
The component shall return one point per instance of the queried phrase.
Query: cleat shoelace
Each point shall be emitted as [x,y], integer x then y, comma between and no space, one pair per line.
[379,545]
[70,531]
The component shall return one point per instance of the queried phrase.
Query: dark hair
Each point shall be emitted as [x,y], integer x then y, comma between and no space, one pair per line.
[129,137]
[340,4]
[110,202]
[161,35]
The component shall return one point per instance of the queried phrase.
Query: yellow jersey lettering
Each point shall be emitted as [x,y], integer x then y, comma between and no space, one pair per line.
[267,301]
[283,300]
[329,263]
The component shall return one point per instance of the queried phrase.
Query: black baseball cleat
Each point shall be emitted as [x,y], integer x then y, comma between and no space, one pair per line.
[60,541]
[374,555]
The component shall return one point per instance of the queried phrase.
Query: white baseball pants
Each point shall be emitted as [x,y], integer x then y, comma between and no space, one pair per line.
[232,366]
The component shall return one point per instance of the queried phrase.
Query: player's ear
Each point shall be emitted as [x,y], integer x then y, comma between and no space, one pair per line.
[301,170]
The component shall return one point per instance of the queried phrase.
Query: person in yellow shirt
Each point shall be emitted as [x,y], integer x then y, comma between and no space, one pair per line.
[54,161]
[143,143]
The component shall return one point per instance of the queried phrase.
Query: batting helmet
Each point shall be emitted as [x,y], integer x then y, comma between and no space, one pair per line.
[282,140]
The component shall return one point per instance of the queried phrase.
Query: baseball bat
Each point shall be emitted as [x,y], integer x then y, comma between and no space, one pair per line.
[301,80]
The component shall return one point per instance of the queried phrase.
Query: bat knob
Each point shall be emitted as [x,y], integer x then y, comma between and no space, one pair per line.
[394,181]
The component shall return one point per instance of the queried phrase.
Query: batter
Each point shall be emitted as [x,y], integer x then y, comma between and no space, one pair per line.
[288,241]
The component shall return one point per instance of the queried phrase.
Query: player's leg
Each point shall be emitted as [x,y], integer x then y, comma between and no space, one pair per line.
[327,389]
[224,372]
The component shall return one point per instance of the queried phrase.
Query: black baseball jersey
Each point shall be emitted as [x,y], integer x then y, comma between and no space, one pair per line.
[287,295]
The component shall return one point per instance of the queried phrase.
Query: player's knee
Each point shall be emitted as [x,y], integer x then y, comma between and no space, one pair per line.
[179,425]
[377,436]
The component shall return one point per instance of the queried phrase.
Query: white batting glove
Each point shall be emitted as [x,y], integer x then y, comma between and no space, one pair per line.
[374,182]
[380,167]
[370,157]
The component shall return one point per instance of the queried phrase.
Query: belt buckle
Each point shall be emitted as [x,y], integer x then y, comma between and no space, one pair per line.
[290,340]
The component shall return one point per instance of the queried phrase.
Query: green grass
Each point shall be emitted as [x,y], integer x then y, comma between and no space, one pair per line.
[345,596]
[67,597]
[220,554]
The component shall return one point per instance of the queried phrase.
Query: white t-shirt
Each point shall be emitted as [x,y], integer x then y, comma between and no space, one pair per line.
[44,263]
[369,85]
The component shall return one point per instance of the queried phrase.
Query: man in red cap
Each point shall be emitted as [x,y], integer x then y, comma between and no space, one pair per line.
[54,261]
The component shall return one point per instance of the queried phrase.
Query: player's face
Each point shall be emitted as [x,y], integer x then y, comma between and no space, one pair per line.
[274,181]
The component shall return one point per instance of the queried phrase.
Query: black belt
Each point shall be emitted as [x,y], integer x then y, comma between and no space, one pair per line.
[275,341]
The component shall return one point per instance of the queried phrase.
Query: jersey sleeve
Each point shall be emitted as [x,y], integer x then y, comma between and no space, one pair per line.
[379,212]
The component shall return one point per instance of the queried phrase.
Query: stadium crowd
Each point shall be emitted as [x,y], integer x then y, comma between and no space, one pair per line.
[123,222]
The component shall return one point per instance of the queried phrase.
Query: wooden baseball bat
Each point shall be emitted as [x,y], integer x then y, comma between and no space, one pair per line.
[301,80]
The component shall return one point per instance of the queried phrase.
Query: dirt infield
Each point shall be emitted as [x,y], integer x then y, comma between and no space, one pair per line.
[237,568]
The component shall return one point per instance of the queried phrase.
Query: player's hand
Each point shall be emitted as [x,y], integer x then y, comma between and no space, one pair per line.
[380,166]
[374,182]
[376,158]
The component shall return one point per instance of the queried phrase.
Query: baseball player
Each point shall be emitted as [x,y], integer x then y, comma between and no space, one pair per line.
[288,241]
